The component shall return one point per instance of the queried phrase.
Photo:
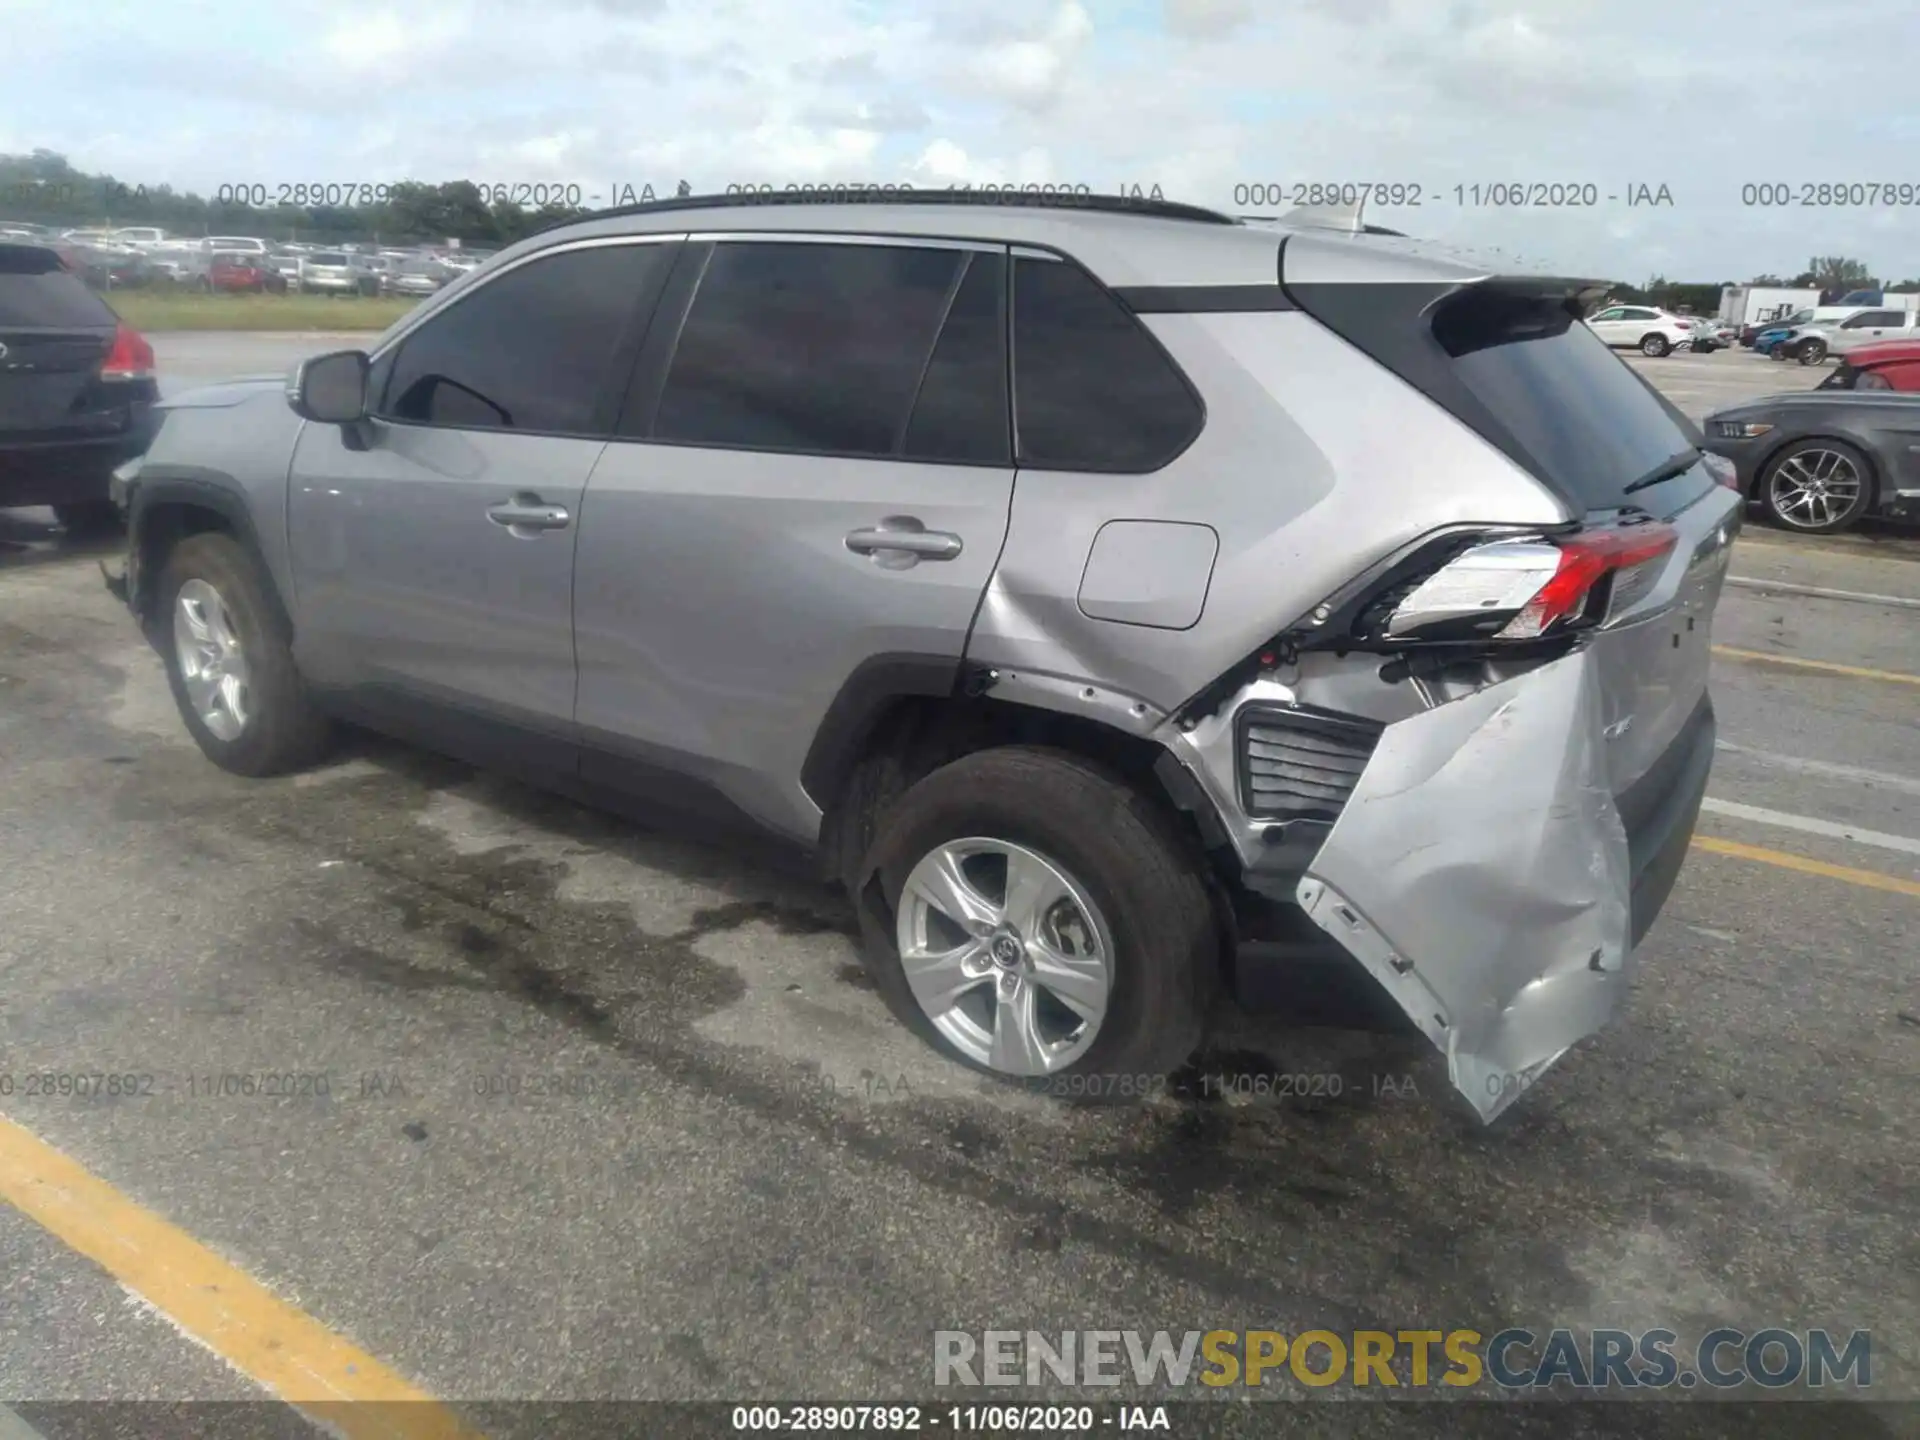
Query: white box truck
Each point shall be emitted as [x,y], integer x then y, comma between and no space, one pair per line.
[1752,304]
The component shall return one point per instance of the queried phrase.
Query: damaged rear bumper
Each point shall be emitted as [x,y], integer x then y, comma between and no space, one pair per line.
[1487,877]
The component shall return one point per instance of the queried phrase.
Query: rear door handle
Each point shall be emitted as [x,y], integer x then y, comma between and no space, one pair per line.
[527,514]
[903,534]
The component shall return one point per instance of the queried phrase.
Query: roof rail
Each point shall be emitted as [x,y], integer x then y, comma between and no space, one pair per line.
[865,195]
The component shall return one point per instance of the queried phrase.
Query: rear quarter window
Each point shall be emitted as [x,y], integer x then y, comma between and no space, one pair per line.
[1092,390]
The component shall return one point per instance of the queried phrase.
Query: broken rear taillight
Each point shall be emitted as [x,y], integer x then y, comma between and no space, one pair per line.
[1522,589]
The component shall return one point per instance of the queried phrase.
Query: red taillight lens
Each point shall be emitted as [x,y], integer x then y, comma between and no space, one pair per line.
[131,357]
[1586,560]
[1519,589]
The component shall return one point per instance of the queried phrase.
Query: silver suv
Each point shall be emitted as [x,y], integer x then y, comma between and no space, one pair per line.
[1118,599]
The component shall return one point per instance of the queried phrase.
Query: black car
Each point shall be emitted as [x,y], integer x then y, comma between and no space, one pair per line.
[76,389]
[1820,459]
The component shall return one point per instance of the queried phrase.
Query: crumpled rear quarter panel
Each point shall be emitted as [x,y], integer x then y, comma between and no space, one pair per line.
[1480,873]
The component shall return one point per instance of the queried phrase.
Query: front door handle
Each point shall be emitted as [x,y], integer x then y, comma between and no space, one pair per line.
[526,514]
[903,539]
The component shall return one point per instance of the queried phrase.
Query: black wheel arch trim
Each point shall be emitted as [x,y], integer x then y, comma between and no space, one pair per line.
[862,702]
[166,483]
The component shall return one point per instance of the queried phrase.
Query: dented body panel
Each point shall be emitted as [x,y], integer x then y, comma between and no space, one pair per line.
[1480,874]
[1300,497]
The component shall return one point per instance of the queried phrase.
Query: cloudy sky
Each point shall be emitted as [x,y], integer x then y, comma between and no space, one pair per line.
[1202,97]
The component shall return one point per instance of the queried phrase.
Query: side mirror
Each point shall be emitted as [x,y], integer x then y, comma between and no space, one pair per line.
[330,389]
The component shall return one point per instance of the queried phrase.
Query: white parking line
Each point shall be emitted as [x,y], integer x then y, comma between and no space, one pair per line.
[1821,592]
[1759,815]
[1879,779]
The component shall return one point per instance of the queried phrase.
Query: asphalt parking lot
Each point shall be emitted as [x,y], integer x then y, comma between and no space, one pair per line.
[587,1112]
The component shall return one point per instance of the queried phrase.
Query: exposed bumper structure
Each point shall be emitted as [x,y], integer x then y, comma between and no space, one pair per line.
[1483,871]
[1481,874]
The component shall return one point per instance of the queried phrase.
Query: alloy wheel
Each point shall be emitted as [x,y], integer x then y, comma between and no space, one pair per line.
[1006,954]
[213,667]
[1814,488]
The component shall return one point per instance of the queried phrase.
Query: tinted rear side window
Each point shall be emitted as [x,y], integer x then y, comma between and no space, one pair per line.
[36,291]
[531,350]
[962,412]
[807,348]
[1092,389]
[1526,374]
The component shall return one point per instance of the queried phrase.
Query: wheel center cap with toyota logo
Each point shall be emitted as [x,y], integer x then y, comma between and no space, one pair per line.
[1006,951]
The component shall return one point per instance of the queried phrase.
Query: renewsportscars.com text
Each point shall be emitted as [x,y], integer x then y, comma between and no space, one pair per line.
[1510,1359]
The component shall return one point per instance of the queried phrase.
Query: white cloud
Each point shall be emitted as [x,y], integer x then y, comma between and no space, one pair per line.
[1197,96]
[1207,17]
[1031,71]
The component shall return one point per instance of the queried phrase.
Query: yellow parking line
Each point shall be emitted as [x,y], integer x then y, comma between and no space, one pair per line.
[1857,671]
[1871,879]
[283,1349]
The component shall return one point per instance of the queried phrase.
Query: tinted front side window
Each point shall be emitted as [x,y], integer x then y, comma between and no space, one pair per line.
[530,350]
[810,348]
[1092,390]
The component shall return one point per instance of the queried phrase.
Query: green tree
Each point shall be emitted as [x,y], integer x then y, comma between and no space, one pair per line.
[1839,272]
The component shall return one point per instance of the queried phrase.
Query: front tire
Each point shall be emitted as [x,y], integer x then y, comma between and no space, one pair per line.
[1811,352]
[1818,487]
[1655,346]
[230,664]
[1039,919]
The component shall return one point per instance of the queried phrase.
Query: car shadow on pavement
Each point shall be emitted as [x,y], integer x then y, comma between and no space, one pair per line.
[33,537]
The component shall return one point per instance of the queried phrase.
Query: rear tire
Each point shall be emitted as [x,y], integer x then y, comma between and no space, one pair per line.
[282,729]
[1152,931]
[1654,346]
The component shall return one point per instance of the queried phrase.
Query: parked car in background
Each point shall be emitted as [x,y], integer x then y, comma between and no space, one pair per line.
[241,244]
[286,264]
[1811,344]
[465,260]
[1645,328]
[1749,334]
[329,272]
[145,237]
[1769,341]
[76,389]
[1094,772]
[113,267]
[373,272]
[177,264]
[1818,460]
[1884,365]
[418,277]
[238,272]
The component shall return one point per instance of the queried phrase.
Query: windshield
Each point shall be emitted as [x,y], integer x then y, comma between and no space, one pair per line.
[327,258]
